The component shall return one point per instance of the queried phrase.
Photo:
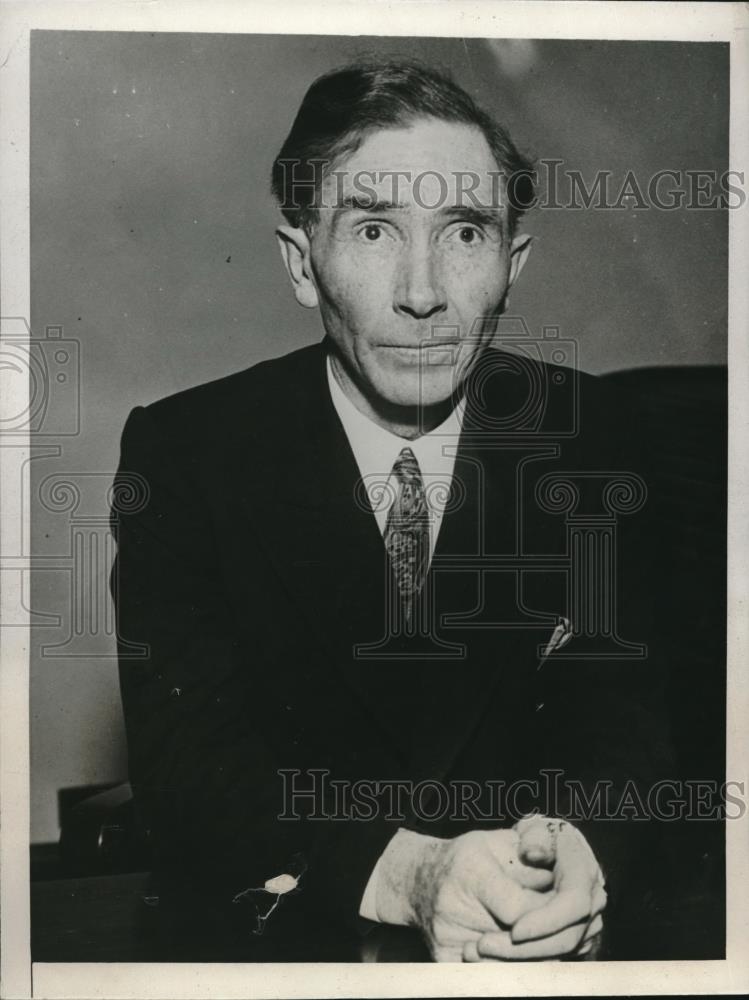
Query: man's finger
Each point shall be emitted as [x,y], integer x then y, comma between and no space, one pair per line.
[562,909]
[507,901]
[600,899]
[577,882]
[529,877]
[594,928]
[453,953]
[470,952]
[589,941]
[592,939]
[499,945]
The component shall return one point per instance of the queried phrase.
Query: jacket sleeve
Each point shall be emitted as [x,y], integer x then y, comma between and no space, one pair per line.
[202,758]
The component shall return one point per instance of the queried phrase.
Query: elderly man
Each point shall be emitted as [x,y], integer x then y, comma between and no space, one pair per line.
[347,578]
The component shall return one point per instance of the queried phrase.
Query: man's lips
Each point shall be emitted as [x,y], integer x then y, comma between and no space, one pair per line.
[434,353]
[424,346]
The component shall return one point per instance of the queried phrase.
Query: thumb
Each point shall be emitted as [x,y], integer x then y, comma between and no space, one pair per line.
[538,841]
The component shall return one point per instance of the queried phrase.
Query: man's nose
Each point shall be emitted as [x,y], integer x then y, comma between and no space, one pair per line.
[419,290]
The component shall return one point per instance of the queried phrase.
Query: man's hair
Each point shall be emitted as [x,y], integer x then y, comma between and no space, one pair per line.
[343,107]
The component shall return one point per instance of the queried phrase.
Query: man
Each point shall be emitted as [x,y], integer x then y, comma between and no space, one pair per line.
[330,569]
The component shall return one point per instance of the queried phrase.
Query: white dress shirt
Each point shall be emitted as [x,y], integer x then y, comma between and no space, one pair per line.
[375,450]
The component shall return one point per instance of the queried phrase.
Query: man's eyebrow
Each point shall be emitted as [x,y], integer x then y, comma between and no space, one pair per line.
[470,213]
[363,203]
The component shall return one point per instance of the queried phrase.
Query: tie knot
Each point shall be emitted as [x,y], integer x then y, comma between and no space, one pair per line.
[406,467]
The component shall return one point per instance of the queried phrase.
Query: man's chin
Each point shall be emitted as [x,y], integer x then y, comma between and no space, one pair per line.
[419,392]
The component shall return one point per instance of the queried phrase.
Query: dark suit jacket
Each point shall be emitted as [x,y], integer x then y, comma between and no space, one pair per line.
[252,572]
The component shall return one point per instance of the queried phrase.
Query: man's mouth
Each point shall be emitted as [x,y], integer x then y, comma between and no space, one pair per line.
[427,355]
[424,345]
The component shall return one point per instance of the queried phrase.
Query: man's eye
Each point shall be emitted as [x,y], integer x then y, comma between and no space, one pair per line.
[468,235]
[374,232]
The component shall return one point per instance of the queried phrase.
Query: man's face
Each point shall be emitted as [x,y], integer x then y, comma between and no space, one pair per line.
[416,270]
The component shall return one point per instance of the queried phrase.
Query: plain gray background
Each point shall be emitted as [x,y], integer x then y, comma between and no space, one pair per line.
[153,248]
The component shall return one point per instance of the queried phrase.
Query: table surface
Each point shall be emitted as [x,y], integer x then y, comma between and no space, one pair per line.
[119,918]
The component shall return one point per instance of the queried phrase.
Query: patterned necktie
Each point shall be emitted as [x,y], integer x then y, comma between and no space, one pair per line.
[407,529]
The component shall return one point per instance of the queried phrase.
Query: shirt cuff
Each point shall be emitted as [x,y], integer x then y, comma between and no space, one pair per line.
[399,854]
[397,849]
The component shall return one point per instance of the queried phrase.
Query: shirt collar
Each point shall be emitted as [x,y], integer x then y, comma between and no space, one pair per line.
[376,449]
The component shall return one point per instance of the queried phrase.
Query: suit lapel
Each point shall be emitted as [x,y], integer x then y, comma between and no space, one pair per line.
[498,671]
[461,691]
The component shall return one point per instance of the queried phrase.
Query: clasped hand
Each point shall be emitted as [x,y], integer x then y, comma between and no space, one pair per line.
[533,892]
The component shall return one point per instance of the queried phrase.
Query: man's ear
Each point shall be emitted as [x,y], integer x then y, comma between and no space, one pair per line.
[520,248]
[294,244]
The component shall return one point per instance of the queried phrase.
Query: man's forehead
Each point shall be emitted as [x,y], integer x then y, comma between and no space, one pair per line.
[429,149]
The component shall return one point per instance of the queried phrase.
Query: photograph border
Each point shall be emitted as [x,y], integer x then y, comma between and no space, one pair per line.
[728,22]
